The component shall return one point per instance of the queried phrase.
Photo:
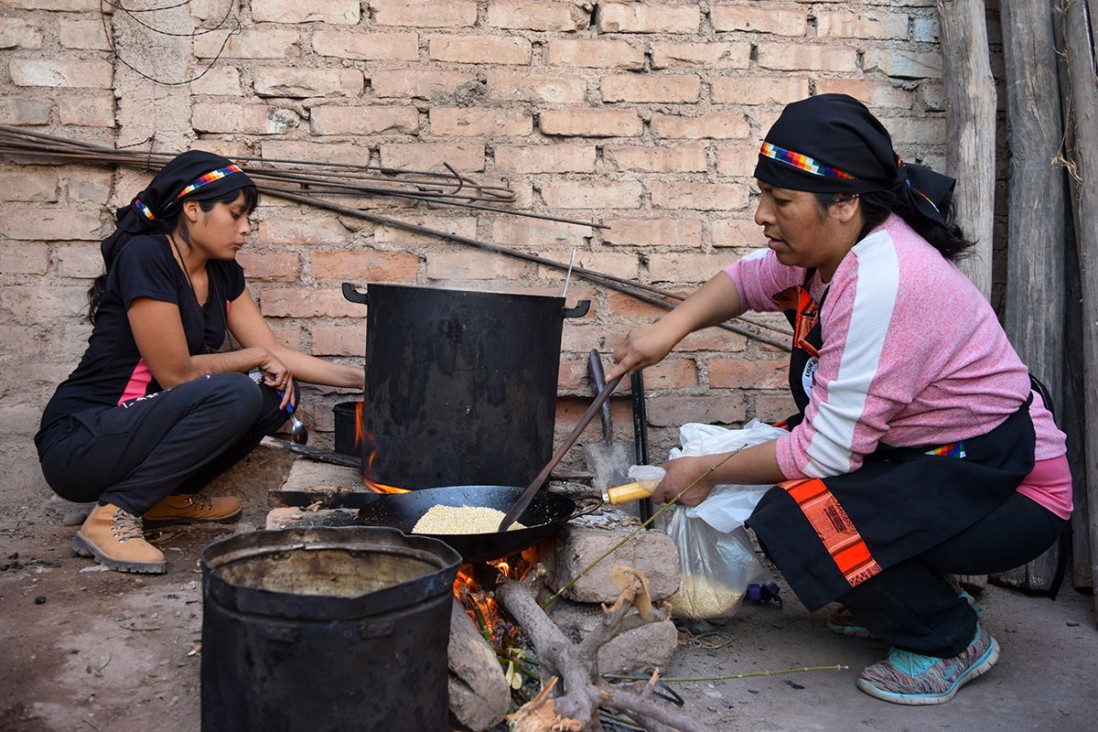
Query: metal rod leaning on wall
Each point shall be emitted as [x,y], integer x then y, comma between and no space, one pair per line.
[615,283]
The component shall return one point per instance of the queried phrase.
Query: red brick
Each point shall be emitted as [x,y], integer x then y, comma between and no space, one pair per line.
[480,49]
[35,223]
[655,88]
[901,63]
[276,81]
[563,157]
[671,373]
[87,111]
[339,340]
[627,306]
[850,24]
[698,196]
[591,123]
[875,94]
[265,43]
[85,185]
[701,55]
[270,266]
[24,111]
[321,152]
[85,35]
[681,268]
[541,15]
[309,228]
[675,411]
[64,74]
[467,157]
[288,335]
[592,194]
[364,265]
[39,186]
[470,265]
[219,81]
[641,18]
[80,262]
[425,13]
[715,339]
[378,120]
[679,232]
[647,159]
[332,12]
[15,33]
[759,18]
[480,122]
[258,119]
[737,160]
[609,54]
[396,46]
[756,90]
[620,264]
[535,235]
[304,302]
[33,259]
[511,85]
[807,56]
[737,373]
[912,132]
[38,303]
[716,125]
[424,84]
[772,407]
[736,233]
[460,226]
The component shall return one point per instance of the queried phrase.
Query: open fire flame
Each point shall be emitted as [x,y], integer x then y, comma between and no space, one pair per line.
[478,601]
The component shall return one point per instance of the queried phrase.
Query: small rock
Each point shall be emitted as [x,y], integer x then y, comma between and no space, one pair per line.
[40,600]
[75,517]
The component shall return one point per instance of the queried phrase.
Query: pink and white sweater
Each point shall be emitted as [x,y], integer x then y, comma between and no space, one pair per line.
[912,355]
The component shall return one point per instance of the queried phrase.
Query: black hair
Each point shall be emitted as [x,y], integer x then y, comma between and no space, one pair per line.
[165,225]
[878,205]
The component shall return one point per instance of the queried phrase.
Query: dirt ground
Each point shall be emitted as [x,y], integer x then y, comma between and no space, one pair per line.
[85,649]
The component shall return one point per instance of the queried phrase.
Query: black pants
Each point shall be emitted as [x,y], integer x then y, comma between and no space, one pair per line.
[914,607]
[174,441]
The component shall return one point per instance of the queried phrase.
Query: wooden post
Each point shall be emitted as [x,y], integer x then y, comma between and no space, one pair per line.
[1082,105]
[970,125]
[1035,255]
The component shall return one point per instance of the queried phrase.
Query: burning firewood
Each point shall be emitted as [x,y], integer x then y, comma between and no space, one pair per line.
[574,665]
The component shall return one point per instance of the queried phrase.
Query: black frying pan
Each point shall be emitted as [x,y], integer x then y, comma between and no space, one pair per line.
[545,515]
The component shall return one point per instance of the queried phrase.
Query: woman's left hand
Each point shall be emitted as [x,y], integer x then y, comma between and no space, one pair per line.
[681,472]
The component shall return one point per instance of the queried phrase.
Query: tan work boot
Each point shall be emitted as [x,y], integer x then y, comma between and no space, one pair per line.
[114,537]
[191,507]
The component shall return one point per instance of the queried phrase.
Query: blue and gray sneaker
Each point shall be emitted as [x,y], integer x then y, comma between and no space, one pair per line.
[910,678]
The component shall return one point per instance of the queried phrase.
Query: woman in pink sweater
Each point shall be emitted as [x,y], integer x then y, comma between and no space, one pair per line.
[920,447]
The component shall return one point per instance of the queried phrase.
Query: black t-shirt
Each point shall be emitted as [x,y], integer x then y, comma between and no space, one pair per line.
[112,370]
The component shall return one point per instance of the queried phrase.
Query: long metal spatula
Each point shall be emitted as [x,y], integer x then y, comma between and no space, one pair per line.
[528,495]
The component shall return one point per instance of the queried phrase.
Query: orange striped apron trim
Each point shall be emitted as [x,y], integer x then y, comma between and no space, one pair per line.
[835,529]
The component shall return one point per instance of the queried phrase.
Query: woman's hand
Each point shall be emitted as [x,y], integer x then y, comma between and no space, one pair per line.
[643,347]
[277,376]
[681,472]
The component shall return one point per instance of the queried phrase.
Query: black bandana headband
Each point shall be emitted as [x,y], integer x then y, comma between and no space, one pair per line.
[194,175]
[832,143]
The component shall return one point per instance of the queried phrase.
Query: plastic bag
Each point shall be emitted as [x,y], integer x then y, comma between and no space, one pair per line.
[716,557]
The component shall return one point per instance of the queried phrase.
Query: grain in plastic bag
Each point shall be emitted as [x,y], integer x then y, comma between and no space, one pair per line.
[716,556]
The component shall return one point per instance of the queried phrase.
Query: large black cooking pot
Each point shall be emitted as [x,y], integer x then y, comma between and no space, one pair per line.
[545,515]
[461,386]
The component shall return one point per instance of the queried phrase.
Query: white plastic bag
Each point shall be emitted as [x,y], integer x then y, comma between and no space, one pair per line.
[716,556]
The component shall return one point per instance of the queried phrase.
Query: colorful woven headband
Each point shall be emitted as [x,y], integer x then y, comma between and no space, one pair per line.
[209,178]
[802,162]
[140,206]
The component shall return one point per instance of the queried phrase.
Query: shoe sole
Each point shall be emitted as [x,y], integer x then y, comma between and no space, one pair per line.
[86,549]
[231,519]
[981,666]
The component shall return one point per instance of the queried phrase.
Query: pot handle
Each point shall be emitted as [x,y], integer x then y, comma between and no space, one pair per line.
[352,294]
[578,311]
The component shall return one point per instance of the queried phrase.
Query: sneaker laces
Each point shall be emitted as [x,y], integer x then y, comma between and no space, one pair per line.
[200,501]
[126,526]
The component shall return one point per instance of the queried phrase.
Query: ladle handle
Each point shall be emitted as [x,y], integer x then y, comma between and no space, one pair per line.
[528,495]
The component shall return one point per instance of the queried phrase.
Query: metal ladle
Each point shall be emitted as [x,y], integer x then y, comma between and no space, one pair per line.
[299,433]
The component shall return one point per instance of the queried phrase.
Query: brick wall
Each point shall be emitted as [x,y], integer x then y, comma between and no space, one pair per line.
[643,116]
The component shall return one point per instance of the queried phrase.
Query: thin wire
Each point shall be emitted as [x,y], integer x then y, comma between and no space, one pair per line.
[568,277]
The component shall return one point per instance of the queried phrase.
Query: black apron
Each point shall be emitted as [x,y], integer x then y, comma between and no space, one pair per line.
[829,535]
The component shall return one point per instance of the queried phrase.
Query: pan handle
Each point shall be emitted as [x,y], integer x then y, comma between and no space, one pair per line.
[582,509]
[578,311]
[354,295]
